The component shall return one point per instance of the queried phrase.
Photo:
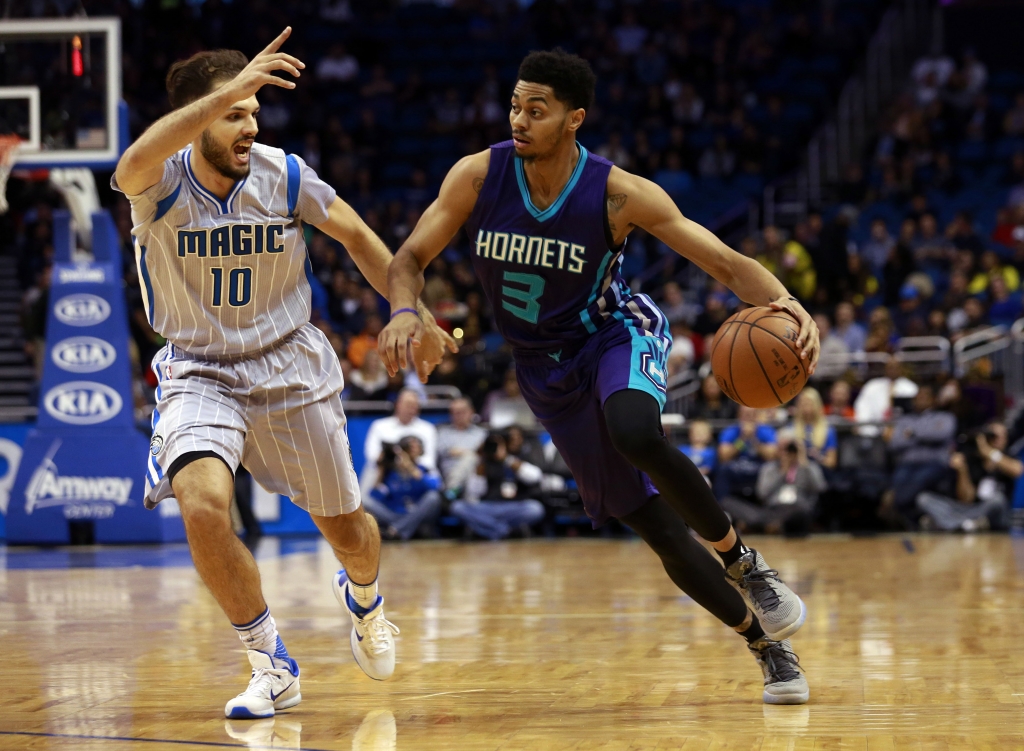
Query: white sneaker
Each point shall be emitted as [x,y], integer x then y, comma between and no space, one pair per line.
[274,685]
[372,640]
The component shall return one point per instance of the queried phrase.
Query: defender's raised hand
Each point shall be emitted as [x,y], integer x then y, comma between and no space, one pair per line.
[259,72]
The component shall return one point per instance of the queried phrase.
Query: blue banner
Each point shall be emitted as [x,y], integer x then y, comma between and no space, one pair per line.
[85,459]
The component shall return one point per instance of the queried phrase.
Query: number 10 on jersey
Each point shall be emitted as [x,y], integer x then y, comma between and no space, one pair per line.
[239,286]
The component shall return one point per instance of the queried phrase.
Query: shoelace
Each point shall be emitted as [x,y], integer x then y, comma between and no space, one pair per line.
[761,589]
[261,681]
[781,662]
[378,630]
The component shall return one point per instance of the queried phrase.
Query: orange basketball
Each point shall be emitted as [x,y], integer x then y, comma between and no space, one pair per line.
[755,359]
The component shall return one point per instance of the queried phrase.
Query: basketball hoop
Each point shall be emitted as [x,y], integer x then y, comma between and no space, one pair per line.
[8,148]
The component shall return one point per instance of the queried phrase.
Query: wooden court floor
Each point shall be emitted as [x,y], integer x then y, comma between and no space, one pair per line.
[910,643]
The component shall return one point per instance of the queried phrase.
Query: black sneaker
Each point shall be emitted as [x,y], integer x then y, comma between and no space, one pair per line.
[776,606]
[784,681]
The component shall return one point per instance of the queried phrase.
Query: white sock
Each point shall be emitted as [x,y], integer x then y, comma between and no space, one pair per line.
[261,634]
[364,595]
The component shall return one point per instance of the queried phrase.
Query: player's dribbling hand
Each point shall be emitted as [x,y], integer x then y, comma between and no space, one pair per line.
[429,352]
[393,341]
[808,340]
[259,72]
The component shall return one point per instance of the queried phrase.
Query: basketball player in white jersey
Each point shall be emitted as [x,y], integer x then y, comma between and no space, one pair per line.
[245,377]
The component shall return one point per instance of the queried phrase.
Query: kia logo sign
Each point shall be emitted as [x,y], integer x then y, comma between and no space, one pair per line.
[83,354]
[81,310]
[82,402]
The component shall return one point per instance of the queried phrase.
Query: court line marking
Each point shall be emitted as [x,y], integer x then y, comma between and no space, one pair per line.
[128,739]
[444,693]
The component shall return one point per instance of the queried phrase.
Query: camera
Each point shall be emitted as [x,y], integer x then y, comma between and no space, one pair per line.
[791,448]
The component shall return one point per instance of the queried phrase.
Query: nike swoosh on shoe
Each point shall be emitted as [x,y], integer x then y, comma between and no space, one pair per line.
[273,696]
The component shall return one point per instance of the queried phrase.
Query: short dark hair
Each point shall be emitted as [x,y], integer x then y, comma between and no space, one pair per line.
[194,78]
[569,75]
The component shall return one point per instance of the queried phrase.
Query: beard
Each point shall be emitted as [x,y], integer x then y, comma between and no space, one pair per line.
[220,158]
[550,147]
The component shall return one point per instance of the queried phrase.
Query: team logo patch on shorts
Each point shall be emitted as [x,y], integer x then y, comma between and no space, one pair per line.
[156,444]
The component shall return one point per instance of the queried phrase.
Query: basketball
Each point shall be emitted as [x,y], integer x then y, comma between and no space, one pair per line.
[755,358]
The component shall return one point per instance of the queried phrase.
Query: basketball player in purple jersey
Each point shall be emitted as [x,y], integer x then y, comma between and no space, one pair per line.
[548,221]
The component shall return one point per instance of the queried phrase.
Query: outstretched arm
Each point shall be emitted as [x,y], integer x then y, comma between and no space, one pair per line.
[435,229]
[142,164]
[636,202]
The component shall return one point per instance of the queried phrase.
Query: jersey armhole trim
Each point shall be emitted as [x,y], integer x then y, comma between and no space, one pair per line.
[294,178]
[164,204]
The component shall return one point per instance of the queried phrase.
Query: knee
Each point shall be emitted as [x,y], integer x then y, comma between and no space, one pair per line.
[534,511]
[204,511]
[347,532]
[639,443]
[459,508]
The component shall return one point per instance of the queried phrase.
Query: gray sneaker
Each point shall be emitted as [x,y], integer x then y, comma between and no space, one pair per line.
[778,608]
[784,681]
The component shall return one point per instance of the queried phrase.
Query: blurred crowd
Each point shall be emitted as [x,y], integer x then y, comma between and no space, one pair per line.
[709,100]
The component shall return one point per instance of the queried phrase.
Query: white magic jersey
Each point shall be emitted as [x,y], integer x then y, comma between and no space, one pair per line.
[227,277]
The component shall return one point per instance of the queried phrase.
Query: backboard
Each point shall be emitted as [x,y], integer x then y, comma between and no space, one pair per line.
[60,91]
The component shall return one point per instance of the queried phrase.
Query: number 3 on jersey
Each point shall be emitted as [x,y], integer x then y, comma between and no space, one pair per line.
[527,305]
[239,286]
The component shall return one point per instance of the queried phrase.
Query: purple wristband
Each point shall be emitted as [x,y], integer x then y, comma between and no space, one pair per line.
[404,310]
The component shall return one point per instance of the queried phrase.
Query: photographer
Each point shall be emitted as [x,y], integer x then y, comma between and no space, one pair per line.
[406,497]
[787,489]
[499,496]
[985,479]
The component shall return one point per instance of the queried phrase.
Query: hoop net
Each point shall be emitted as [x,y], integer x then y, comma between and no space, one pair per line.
[9,145]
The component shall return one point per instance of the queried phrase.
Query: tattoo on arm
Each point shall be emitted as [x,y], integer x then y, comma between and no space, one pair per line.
[478,184]
[615,203]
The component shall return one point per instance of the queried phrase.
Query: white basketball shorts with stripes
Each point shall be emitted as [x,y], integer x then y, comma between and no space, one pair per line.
[278,413]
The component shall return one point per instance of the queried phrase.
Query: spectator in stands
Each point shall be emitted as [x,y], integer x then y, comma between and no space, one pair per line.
[506,406]
[368,382]
[714,314]
[985,482]
[879,396]
[406,497]
[991,267]
[712,404]
[839,406]
[499,496]
[337,65]
[932,250]
[365,341]
[876,250]
[911,315]
[809,425]
[847,329]
[674,305]
[787,493]
[972,317]
[701,450]
[406,421]
[881,331]
[457,445]
[742,449]
[921,443]
[834,358]
[900,264]
[1004,307]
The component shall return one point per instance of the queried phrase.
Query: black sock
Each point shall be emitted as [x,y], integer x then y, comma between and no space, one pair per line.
[753,632]
[733,554]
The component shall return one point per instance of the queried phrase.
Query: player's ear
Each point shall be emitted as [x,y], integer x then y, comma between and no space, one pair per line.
[576,118]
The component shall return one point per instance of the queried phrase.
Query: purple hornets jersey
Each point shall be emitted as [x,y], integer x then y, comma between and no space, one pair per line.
[552,276]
